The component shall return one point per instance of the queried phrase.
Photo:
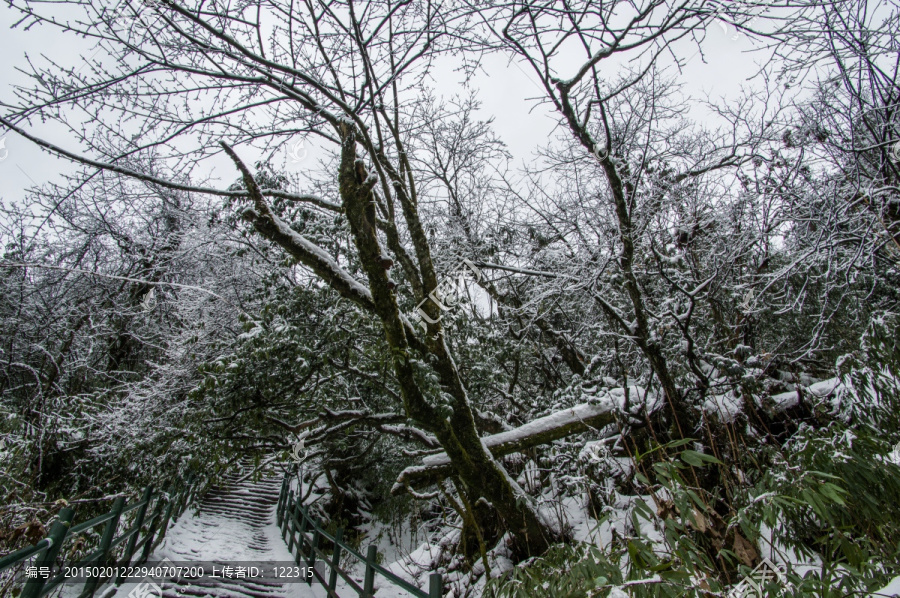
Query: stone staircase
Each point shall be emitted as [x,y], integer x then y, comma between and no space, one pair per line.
[234,525]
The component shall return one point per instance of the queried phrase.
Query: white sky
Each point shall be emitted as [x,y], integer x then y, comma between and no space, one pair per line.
[503,89]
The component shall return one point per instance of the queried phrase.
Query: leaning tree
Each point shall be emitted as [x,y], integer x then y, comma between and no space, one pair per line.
[194,81]
[190,84]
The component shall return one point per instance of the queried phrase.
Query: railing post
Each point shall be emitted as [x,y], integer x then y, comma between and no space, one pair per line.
[282,497]
[435,586]
[152,529]
[192,488]
[179,500]
[138,523]
[185,496]
[109,533]
[335,561]
[170,506]
[292,525]
[301,538]
[56,536]
[369,578]
[311,561]
[280,502]
[284,522]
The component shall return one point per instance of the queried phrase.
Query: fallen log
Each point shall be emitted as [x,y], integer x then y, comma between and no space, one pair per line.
[594,415]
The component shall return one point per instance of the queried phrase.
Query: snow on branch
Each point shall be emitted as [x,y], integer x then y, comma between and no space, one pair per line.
[727,406]
[169,184]
[334,421]
[411,433]
[301,248]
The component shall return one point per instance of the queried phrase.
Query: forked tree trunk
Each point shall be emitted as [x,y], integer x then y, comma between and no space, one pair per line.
[454,428]
[453,425]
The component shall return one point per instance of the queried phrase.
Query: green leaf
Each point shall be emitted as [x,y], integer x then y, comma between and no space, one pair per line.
[673,444]
[698,459]
[833,492]
[641,508]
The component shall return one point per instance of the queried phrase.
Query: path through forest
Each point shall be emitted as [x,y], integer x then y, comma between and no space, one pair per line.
[234,526]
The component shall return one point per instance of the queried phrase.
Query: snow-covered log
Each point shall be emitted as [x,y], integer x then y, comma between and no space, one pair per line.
[580,418]
[593,415]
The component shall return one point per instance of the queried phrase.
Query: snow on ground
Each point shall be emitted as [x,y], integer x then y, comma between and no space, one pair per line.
[892,589]
[236,525]
[232,526]
[404,550]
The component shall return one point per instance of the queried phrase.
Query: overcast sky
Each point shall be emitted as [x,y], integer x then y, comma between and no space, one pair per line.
[503,88]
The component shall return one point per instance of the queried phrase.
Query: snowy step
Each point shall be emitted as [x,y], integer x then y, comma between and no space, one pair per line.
[233,524]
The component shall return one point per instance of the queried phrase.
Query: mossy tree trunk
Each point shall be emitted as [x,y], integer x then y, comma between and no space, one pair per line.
[452,423]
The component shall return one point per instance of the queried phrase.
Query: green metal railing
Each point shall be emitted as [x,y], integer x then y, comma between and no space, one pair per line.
[303,535]
[141,539]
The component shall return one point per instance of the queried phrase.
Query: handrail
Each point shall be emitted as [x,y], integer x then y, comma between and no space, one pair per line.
[24,553]
[136,505]
[297,524]
[91,523]
[168,508]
